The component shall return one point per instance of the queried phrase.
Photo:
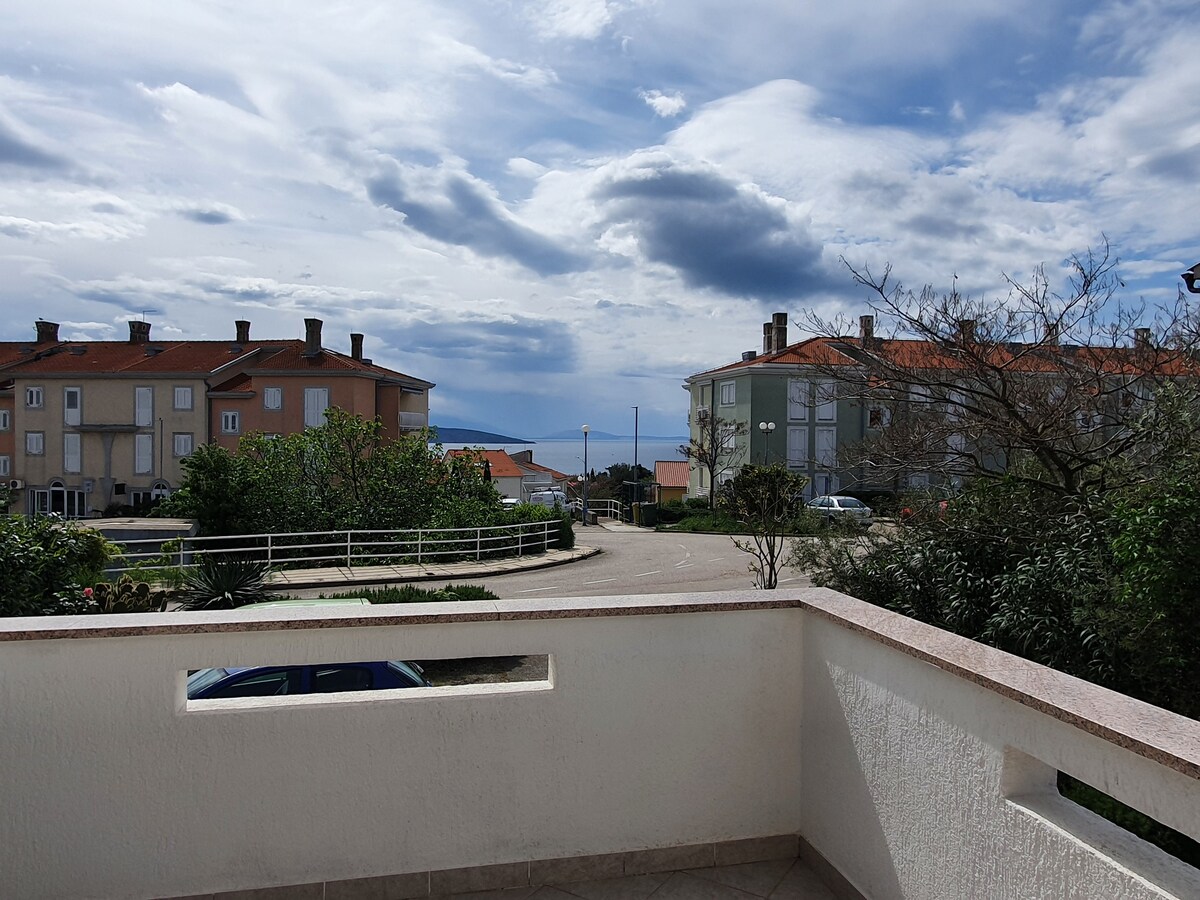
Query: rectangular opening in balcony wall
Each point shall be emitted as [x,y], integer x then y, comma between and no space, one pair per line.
[248,687]
[1162,836]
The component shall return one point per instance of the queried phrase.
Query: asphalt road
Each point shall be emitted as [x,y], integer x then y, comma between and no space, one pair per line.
[637,562]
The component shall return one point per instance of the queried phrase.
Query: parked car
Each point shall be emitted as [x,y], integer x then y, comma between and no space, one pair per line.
[330,678]
[326,678]
[836,508]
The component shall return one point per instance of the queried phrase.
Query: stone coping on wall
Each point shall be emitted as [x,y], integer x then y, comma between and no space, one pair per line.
[1164,737]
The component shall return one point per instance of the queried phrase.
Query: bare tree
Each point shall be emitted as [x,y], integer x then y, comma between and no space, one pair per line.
[716,448]
[962,387]
[764,497]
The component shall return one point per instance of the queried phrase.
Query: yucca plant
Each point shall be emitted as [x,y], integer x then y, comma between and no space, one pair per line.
[224,583]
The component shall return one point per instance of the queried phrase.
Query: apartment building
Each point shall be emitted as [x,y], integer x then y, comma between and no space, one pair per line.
[89,426]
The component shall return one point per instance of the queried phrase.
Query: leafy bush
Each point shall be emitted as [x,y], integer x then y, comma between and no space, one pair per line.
[410,593]
[224,583]
[45,563]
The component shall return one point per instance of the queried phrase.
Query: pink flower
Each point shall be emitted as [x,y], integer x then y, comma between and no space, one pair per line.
[87,592]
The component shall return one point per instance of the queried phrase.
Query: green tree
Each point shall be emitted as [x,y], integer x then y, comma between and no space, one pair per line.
[764,498]
[45,565]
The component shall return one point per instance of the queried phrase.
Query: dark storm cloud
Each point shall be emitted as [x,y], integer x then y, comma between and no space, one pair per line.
[949,225]
[458,211]
[18,152]
[714,233]
[510,345]
[1180,165]
[208,216]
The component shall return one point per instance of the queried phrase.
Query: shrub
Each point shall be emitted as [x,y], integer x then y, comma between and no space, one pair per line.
[227,583]
[44,563]
[125,595]
[410,593]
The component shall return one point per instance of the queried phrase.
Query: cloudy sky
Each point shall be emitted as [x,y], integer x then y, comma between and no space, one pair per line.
[557,209]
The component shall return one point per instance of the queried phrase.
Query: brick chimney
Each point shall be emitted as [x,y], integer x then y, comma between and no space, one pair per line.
[139,332]
[1141,338]
[356,342]
[866,330]
[312,337]
[47,332]
[243,330]
[779,330]
[966,331]
[1052,333]
[767,338]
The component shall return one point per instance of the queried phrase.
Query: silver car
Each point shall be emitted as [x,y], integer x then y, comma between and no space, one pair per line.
[836,508]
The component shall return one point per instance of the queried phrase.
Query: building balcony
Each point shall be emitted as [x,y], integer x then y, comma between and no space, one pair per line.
[670,732]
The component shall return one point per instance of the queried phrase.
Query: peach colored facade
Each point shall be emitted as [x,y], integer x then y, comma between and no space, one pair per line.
[92,426]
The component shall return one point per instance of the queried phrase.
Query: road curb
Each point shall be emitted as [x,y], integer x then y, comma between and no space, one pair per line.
[340,576]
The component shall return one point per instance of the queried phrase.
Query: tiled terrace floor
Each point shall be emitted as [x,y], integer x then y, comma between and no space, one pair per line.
[777,879]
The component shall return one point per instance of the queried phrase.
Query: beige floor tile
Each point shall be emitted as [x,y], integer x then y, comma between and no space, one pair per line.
[628,887]
[802,883]
[682,886]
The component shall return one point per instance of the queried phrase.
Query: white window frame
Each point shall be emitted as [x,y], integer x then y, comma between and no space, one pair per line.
[826,458]
[728,393]
[143,406]
[231,421]
[182,397]
[797,447]
[273,393]
[72,416]
[35,397]
[5,465]
[310,417]
[143,454]
[826,400]
[35,443]
[798,399]
[182,448]
[72,452]
[5,419]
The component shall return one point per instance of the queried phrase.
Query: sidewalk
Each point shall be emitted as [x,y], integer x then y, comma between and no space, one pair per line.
[336,576]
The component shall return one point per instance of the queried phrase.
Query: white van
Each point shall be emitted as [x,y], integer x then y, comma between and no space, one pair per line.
[550,498]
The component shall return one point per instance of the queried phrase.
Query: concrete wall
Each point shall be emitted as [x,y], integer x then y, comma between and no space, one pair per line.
[655,731]
[919,783]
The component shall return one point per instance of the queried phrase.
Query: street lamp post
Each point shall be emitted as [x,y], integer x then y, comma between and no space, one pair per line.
[586,429]
[636,478]
[767,428]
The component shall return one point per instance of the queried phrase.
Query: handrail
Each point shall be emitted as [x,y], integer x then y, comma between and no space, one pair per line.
[342,547]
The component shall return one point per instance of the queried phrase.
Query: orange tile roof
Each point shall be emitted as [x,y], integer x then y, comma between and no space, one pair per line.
[501,463]
[671,473]
[553,473]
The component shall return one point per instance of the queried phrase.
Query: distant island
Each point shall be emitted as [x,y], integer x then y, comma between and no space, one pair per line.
[469,437]
[574,434]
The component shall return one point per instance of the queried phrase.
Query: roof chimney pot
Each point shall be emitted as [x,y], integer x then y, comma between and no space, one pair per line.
[779,330]
[47,332]
[866,329]
[1141,338]
[243,331]
[356,344]
[139,332]
[966,331]
[312,337]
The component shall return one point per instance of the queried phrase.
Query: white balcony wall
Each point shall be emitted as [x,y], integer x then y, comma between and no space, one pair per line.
[920,783]
[657,730]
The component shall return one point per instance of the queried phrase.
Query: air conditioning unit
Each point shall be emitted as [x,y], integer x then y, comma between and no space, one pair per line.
[16,484]
[701,413]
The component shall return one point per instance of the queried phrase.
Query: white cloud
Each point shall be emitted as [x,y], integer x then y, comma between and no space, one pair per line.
[665,105]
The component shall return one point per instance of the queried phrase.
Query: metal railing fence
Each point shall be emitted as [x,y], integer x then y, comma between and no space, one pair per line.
[348,547]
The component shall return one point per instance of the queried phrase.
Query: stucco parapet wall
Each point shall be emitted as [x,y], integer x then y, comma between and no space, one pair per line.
[1156,734]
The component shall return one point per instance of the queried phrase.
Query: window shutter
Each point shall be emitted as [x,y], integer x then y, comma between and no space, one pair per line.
[798,400]
[143,453]
[797,447]
[71,453]
[71,398]
[316,401]
[143,402]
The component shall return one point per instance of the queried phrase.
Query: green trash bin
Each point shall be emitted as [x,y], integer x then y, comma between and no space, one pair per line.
[637,513]
[649,515]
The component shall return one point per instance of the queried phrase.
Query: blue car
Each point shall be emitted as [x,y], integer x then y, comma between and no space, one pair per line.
[273,681]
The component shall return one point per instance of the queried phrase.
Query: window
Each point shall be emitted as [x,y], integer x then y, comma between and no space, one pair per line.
[71,452]
[273,398]
[231,422]
[728,393]
[345,678]
[72,401]
[35,398]
[316,401]
[825,483]
[797,447]
[143,453]
[879,417]
[5,466]
[183,397]
[918,480]
[181,443]
[728,438]
[826,448]
[70,504]
[255,684]
[5,419]
[35,443]
[826,401]
[143,406]
[798,400]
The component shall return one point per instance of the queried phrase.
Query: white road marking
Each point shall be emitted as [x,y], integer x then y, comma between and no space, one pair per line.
[717,559]
[553,587]
[786,580]
[644,574]
[683,565]
[601,581]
